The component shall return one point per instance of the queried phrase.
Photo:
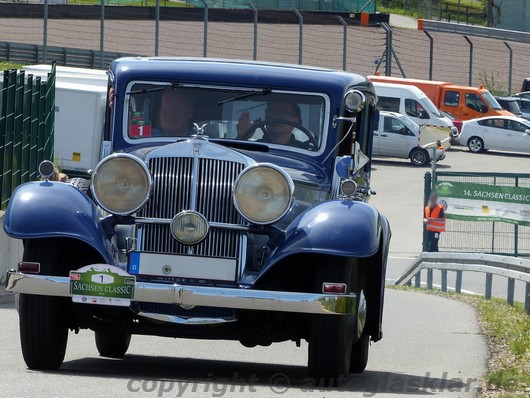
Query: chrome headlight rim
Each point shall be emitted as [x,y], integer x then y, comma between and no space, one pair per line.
[288,180]
[362,100]
[144,168]
[199,216]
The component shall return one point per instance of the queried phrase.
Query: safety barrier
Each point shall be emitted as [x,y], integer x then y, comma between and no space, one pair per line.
[508,267]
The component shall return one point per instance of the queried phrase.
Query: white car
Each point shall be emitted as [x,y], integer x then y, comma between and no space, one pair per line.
[396,135]
[504,133]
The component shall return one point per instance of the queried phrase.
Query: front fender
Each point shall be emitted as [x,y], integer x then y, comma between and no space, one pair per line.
[55,210]
[337,227]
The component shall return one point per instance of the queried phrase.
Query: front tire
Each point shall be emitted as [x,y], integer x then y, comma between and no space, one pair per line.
[43,331]
[475,144]
[419,157]
[331,338]
[112,344]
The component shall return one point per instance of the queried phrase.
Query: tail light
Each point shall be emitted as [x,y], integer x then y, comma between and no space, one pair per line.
[29,267]
[334,288]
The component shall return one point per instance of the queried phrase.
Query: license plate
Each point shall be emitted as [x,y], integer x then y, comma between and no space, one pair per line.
[102,284]
[182,266]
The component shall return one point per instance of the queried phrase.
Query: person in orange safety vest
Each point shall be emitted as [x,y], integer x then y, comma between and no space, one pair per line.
[434,220]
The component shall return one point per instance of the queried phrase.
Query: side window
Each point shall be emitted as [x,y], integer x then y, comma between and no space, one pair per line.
[415,109]
[451,98]
[485,123]
[515,126]
[394,126]
[474,102]
[388,104]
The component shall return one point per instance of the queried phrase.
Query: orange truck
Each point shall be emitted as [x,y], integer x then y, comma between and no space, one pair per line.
[462,102]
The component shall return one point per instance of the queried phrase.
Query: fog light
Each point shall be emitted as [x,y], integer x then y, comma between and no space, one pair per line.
[189,227]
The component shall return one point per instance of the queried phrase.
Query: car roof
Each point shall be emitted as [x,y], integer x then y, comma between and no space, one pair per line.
[506,98]
[398,115]
[245,73]
[407,87]
[519,119]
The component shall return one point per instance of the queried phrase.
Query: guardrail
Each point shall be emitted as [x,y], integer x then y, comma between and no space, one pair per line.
[512,268]
[473,30]
[21,53]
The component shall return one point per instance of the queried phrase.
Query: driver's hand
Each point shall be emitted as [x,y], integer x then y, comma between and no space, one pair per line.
[243,124]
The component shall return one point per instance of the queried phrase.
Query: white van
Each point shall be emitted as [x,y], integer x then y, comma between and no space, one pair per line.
[412,102]
[398,136]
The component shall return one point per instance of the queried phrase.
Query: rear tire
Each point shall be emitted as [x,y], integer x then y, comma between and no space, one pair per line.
[419,157]
[43,331]
[330,341]
[475,144]
[359,354]
[112,344]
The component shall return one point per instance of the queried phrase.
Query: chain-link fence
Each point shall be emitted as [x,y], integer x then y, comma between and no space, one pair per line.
[333,40]
[482,236]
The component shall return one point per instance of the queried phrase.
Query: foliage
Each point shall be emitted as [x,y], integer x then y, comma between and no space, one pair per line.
[492,82]
[9,65]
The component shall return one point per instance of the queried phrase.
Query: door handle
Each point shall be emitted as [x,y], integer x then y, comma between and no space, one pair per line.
[384,135]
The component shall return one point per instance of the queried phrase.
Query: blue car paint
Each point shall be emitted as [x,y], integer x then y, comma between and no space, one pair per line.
[336,227]
[55,210]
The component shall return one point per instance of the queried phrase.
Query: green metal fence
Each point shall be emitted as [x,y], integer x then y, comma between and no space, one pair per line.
[483,237]
[27,114]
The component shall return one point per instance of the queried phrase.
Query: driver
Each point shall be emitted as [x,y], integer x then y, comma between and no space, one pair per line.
[278,133]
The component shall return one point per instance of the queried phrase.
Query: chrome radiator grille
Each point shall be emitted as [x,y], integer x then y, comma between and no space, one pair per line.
[203,185]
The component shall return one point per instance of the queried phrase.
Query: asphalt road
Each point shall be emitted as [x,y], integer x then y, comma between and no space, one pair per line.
[433,349]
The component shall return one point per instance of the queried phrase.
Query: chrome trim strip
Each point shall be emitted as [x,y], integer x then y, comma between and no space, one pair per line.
[167,221]
[185,321]
[258,300]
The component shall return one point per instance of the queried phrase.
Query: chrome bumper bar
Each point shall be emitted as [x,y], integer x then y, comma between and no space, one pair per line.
[246,299]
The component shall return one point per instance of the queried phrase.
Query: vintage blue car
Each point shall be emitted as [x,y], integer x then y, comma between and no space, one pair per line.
[230,203]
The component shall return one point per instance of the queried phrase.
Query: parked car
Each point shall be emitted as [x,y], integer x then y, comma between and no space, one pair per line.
[464,102]
[510,104]
[526,84]
[524,105]
[456,122]
[524,94]
[501,133]
[398,136]
[191,226]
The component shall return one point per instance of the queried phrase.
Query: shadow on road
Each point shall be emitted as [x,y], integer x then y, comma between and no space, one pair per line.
[143,373]
[405,164]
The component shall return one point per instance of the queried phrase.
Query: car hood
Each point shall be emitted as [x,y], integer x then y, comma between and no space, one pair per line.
[300,167]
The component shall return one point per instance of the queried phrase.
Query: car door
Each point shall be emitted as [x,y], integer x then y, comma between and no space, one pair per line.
[492,132]
[393,138]
[473,106]
[517,138]
[378,130]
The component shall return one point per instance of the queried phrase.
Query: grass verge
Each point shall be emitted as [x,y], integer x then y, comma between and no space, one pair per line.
[9,65]
[507,330]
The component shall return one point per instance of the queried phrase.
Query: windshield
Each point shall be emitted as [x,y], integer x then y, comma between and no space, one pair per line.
[431,108]
[165,111]
[409,123]
[492,102]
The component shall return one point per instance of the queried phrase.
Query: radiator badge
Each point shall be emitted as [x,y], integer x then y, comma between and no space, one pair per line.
[166,269]
[196,148]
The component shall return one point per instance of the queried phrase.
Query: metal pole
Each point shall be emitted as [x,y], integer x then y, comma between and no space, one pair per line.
[527,299]
[489,282]
[388,59]
[157,26]
[511,289]
[45,33]
[444,280]
[101,33]
[344,41]
[458,283]
[429,278]
[300,35]
[205,34]
[510,67]
[431,52]
[470,61]
[458,13]
[255,51]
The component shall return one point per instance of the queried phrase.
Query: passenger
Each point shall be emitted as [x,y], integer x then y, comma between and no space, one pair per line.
[176,111]
[279,133]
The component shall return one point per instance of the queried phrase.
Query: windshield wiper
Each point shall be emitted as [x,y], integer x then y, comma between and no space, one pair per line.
[265,91]
[162,87]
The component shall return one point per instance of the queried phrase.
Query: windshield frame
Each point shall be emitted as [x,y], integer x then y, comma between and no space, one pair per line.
[490,100]
[161,140]
[430,107]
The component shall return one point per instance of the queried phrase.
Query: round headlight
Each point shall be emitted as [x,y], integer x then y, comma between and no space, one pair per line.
[121,184]
[354,100]
[189,227]
[263,193]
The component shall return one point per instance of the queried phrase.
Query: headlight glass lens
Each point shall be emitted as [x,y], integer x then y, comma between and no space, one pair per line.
[121,184]
[189,227]
[354,100]
[263,193]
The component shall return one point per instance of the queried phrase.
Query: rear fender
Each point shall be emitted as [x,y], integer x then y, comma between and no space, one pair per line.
[56,210]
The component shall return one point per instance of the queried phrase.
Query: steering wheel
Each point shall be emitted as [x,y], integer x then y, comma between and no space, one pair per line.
[267,136]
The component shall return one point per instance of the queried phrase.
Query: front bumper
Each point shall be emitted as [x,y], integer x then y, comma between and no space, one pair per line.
[245,299]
